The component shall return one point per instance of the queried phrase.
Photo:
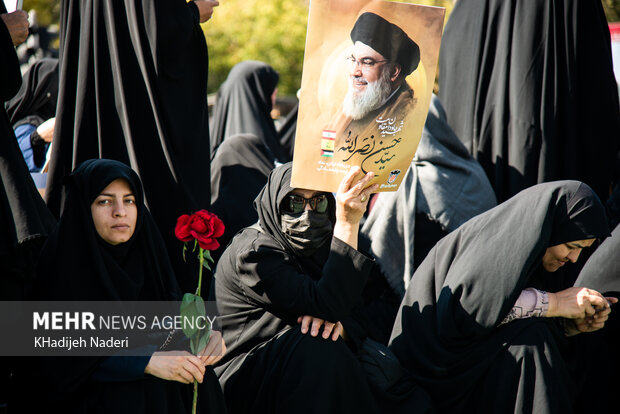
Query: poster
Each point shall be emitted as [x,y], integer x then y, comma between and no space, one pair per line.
[368,75]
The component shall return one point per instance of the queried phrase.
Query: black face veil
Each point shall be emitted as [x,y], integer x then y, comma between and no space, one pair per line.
[268,205]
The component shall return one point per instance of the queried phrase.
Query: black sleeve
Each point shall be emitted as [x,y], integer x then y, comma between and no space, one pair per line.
[10,75]
[270,278]
[178,23]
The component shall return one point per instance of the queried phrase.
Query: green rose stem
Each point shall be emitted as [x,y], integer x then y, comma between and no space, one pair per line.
[202,260]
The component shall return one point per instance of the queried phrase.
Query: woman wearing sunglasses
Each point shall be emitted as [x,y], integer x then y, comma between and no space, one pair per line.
[300,259]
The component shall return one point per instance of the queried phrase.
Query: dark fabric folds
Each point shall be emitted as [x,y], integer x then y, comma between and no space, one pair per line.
[133,87]
[444,186]
[602,270]
[446,332]
[529,88]
[239,171]
[38,94]
[24,219]
[243,106]
[287,133]
[602,273]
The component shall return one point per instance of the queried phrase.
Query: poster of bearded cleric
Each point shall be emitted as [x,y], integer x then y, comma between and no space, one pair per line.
[368,76]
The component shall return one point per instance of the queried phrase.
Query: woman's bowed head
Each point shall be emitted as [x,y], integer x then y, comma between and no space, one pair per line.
[202,226]
[585,310]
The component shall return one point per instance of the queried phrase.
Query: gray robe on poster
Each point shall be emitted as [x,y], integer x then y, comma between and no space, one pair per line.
[444,182]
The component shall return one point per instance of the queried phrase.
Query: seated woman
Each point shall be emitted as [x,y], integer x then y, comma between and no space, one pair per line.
[106,247]
[465,329]
[300,259]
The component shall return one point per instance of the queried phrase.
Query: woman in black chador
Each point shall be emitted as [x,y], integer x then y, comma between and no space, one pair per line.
[243,106]
[298,264]
[133,88]
[476,327]
[107,247]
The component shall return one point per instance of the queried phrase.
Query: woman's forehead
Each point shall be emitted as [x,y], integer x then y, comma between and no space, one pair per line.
[117,185]
[582,243]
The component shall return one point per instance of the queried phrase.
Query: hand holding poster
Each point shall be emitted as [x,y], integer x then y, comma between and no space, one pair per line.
[368,76]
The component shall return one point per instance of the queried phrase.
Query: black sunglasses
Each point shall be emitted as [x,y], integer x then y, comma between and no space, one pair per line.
[294,203]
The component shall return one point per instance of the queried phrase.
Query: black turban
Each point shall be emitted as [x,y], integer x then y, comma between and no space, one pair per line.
[387,39]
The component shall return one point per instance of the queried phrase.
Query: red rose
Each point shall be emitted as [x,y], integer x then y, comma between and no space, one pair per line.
[203,226]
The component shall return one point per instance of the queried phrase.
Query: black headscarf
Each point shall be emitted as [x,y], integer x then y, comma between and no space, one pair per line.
[268,203]
[238,172]
[287,132]
[243,106]
[37,96]
[529,88]
[77,264]
[446,332]
[133,88]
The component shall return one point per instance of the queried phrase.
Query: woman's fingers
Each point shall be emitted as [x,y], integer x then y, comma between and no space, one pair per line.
[346,182]
[215,349]
[362,183]
[313,324]
[217,354]
[327,329]
[316,325]
[195,367]
[305,323]
[365,194]
[337,331]
[596,301]
[310,323]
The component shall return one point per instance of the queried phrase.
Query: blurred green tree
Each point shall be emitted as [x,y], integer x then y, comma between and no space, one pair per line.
[48,11]
[272,31]
[612,10]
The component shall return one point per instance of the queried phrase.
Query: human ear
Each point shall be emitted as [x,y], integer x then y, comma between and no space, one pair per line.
[395,72]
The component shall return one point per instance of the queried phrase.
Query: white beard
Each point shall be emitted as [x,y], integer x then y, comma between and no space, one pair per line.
[358,105]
